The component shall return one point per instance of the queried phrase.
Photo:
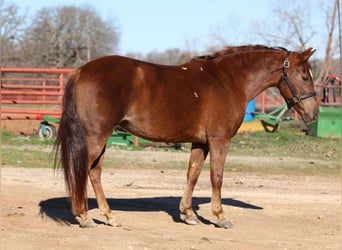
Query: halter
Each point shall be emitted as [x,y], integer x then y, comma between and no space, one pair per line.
[285,79]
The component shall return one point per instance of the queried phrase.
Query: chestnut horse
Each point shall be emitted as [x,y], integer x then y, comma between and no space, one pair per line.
[202,101]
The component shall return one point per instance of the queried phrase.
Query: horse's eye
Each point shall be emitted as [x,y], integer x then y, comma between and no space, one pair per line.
[305,78]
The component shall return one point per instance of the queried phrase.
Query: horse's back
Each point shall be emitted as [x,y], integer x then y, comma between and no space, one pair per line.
[153,101]
[157,102]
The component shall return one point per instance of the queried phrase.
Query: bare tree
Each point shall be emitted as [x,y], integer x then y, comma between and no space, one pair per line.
[67,37]
[331,48]
[291,27]
[169,56]
[11,31]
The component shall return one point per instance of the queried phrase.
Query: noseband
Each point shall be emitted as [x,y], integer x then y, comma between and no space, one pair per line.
[296,98]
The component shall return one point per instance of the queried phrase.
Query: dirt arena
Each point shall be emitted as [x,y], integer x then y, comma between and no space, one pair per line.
[268,211]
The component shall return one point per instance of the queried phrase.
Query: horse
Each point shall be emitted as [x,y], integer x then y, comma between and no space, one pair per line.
[202,101]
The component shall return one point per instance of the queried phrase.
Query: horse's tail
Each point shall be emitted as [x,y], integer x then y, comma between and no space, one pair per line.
[71,149]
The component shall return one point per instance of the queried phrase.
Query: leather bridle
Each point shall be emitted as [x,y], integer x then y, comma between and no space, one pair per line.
[296,98]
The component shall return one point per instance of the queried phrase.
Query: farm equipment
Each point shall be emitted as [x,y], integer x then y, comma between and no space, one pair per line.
[46,129]
[270,121]
[119,136]
[328,123]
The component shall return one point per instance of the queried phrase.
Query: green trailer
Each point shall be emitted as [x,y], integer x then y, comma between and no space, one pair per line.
[46,129]
[328,123]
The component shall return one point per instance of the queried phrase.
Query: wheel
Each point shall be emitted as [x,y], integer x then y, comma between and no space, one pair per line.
[269,127]
[50,131]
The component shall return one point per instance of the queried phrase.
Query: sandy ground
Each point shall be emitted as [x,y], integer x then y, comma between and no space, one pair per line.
[268,211]
[27,127]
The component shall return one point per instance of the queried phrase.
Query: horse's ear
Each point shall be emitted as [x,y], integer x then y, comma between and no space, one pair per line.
[307,54]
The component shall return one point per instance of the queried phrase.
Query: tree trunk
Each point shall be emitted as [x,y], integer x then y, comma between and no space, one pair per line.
[327,60]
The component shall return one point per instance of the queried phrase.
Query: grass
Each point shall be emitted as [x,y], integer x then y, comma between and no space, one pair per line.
[25,151]
[26,158]
[9,139]
[287,144]
[292,153]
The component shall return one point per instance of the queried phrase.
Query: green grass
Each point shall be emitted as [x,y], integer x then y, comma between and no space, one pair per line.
[8,138]
[27,158]
[285,144]
[25,151]
[294,153]
[288,141]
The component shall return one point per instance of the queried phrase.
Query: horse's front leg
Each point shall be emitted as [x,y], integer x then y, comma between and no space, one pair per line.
[218,153]
[198,155]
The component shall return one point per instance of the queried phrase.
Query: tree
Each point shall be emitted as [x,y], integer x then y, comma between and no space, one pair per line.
[11,31]
[329,51]
[169,56]
[68,37]
[295,28]
[291,28]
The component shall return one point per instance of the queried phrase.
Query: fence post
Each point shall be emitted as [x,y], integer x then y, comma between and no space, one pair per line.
[263,102]
[136,141]
[61,90]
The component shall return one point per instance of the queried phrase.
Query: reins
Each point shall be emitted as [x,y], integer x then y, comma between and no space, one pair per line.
[296,98]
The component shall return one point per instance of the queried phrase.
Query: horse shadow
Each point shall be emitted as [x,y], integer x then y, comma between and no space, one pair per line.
[58,209]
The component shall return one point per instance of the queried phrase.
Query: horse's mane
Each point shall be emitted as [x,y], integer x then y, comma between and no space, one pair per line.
[232,49]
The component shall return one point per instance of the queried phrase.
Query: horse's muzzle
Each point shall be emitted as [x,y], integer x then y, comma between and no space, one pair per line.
[310,118]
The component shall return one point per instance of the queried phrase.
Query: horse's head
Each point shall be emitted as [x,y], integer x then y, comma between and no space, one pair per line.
[296,85]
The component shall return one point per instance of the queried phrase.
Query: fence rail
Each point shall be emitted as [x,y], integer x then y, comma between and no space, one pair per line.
[329,95]
[30,93]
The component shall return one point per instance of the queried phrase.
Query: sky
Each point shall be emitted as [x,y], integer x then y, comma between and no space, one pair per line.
[157,25]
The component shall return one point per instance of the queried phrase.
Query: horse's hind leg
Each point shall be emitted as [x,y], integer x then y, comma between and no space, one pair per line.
[198,155]
[95,179]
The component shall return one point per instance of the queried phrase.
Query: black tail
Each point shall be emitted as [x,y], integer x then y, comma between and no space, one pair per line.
[71,150]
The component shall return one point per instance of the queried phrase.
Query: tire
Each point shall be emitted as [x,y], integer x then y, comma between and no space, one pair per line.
[50,132]
[270,128]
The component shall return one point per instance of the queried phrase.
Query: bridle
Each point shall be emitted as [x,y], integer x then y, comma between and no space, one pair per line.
[296,98]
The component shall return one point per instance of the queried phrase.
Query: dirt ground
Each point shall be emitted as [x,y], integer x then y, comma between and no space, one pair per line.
[26,127]
[268,211]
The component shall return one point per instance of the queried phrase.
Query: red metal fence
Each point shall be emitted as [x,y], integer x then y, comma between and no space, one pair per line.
[31,93]
[328,95]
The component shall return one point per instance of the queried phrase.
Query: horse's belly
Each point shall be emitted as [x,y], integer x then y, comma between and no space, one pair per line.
[167,131]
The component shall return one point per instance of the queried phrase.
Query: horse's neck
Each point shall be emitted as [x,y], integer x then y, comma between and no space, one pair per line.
[261,71]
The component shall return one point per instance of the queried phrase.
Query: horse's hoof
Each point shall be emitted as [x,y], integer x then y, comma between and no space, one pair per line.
[85,222]
[224,223]
[190,219]
[113,222]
